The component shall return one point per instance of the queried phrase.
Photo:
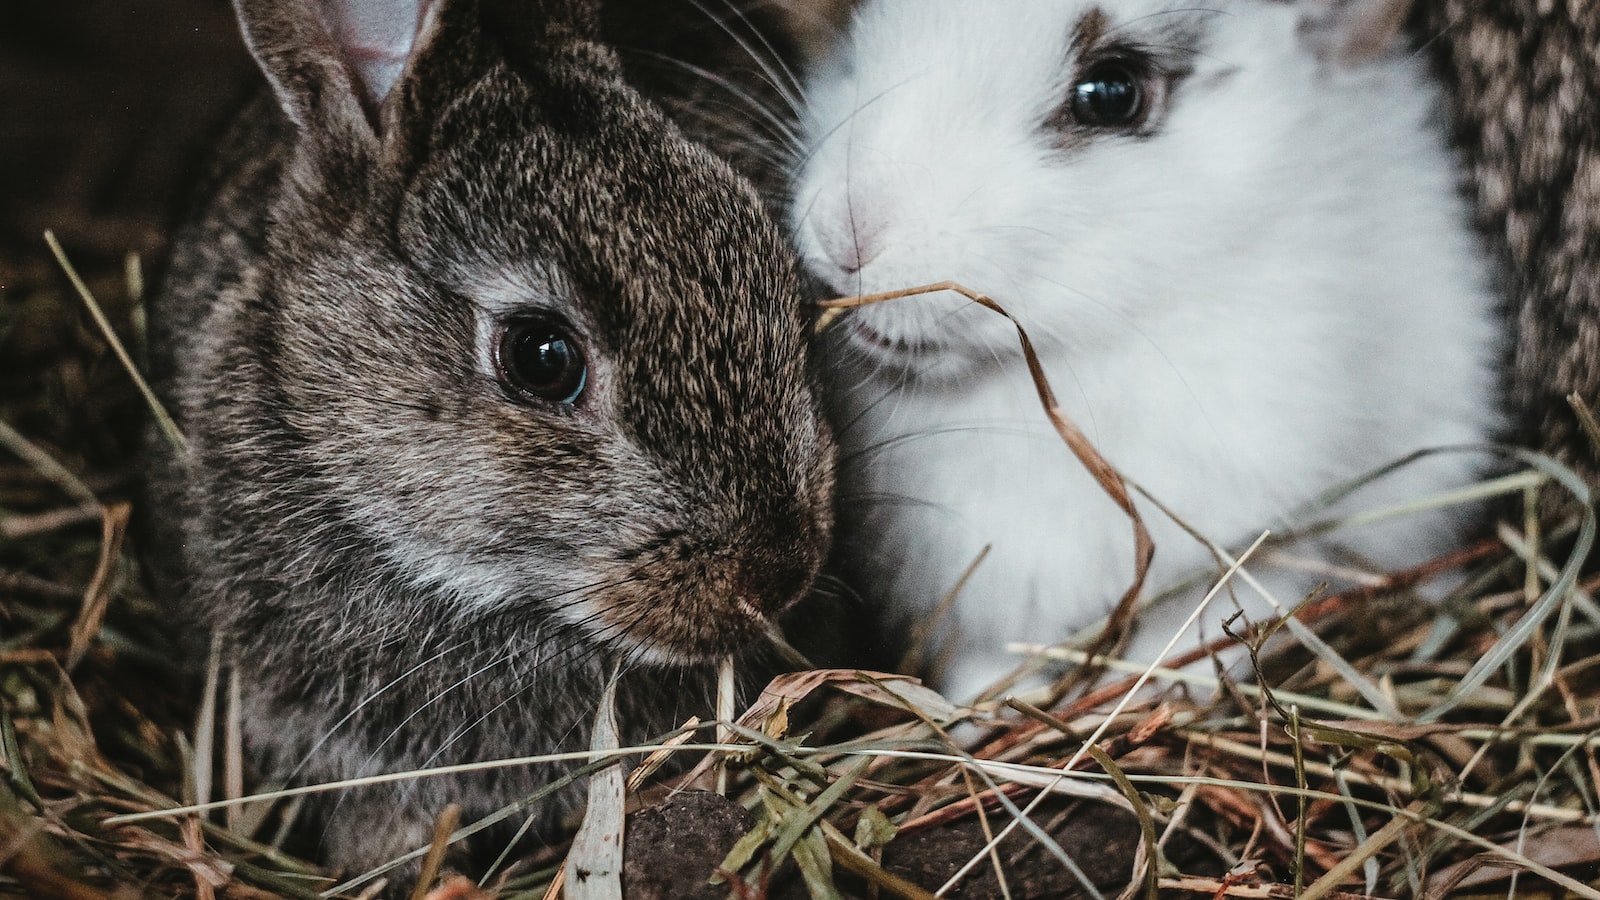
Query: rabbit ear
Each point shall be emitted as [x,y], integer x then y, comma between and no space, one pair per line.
[331,63]
[1351,32]
[377,38]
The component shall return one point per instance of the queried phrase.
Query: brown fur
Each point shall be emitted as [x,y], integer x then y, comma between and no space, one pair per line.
[726,70]
[1526,81]
[411,565]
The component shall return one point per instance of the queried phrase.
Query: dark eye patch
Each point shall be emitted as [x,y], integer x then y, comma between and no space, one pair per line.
[1111,91]
[1120,76]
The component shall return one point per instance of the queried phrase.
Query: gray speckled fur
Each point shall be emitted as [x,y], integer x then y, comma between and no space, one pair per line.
[1525,75]
[358,495]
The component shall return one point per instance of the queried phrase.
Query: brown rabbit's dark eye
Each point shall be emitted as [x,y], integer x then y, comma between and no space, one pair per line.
[1110,94]
[540,357]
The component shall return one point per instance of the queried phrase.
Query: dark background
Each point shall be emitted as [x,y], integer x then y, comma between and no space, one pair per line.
[104,109]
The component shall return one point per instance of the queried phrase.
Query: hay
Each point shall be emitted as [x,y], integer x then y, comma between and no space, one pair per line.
[1404,754]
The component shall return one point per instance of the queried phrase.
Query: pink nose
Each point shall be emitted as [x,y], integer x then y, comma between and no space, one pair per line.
[848,230]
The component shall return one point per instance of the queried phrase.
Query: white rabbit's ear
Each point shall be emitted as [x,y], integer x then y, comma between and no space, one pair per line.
[1351,32]
[331,63]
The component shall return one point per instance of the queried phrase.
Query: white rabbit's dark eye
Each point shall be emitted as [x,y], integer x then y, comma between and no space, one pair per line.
[1110,94]
[540,357]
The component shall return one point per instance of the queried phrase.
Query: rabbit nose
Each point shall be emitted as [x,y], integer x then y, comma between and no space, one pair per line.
[849,228]
[778,586]
[767,583]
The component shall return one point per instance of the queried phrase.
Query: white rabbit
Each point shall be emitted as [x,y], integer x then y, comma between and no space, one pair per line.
[1235,236]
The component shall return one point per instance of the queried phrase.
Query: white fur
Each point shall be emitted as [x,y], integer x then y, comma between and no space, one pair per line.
[1274,292]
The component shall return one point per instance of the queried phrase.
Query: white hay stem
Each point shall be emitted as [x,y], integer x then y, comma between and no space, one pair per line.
[725,715]
[1183,676]
[594,864]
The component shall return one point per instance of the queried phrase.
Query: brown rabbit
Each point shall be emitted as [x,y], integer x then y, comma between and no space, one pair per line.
[1526,81]
[491,380]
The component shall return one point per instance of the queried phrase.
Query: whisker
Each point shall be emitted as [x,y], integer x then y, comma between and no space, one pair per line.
[896,440]
[500,660]
[781,127]
[777,74]
[520,687]
[1168,12]
[888,498]
[366,766]
[849,120]
[365,701]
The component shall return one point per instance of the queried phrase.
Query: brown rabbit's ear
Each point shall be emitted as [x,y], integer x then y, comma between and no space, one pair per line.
[331,63]
[1351,32]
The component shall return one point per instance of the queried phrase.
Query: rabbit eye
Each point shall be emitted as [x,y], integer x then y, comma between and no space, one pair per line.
[539,356]
[1110,94]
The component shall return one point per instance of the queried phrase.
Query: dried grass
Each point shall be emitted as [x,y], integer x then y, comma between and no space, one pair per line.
[1392,751]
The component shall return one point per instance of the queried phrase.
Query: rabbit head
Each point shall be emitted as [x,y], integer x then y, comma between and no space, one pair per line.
[517,338]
